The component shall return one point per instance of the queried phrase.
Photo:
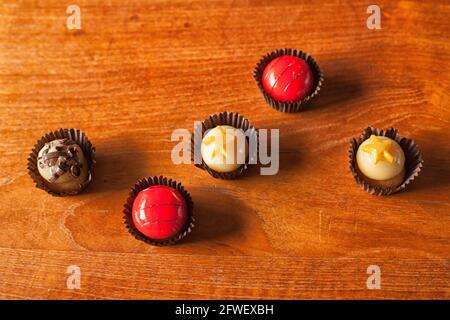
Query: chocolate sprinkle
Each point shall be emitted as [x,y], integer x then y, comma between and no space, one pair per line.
[64,160]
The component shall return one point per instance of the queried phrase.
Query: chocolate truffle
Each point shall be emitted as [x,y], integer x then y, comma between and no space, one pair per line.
[63,166]
[381,160]
[160,213]
[224,148]
[288,78]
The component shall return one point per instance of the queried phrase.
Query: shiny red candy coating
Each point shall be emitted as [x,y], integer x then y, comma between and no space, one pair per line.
[288,78]
[159,212]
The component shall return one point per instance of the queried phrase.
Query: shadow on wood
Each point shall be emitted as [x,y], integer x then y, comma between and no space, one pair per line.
[215,222]
[119,167]
[342,84]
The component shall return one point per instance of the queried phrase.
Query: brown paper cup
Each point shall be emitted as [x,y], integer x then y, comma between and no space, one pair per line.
[413,160]
[223,118]
[293,106]
[79,138]
[157,181]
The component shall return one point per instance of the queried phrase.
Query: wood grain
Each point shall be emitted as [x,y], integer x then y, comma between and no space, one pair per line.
[140,69]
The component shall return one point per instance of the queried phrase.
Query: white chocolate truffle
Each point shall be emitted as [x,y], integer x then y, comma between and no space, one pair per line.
[224,148]
[380,158]
[63,165]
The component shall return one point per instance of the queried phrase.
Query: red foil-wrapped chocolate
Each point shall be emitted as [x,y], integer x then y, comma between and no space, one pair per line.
[160,212]
[288,78]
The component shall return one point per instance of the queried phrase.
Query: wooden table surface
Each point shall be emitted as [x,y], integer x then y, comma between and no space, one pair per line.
[137,70]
